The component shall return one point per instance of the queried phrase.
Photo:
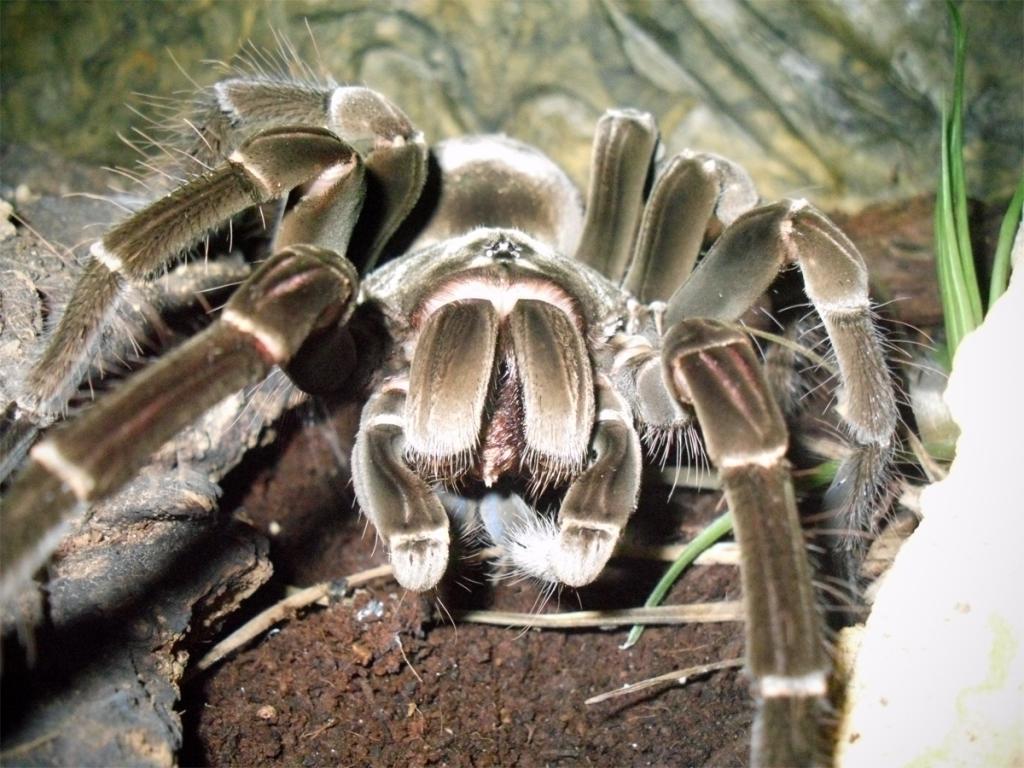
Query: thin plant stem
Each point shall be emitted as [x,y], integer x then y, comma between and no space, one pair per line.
[958,282]
[1007,233]
[712,533]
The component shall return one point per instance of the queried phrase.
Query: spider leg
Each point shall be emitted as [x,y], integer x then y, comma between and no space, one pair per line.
[299,293]
[713,368]
[265,138]
[740,267]
[691,192]
[599,502]
[187,288]
[262,169]
[624,142]
[394,152]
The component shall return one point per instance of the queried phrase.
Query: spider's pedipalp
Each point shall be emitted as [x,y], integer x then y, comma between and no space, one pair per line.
[655,405]
[406,512]
[600,501]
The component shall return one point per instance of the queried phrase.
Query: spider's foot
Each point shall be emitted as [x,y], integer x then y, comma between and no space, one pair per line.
[582,551]
[420,559]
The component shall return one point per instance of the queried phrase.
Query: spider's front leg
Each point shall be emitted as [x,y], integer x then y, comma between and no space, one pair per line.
[297,301]
[264,168]
[712,369]
[262,139]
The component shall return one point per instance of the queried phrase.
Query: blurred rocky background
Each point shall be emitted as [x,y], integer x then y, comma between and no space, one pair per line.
[835,100]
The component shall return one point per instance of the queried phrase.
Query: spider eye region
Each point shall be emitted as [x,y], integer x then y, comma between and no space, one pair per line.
[502,249]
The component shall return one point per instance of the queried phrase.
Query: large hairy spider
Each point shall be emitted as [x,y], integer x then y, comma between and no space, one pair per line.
[519,346]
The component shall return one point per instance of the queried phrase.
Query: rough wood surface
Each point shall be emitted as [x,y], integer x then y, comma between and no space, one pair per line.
[93,652]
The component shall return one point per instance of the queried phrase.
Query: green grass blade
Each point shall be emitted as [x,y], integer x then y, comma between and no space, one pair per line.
[712,533]
[957,172]
[1007,232]
[958,281]
[955,304]
[816,477]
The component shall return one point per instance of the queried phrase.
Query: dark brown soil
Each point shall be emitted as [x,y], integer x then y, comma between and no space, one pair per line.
[385,678]
[336,689]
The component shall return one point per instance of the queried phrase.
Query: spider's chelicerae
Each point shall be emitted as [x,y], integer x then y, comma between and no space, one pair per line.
[517,342]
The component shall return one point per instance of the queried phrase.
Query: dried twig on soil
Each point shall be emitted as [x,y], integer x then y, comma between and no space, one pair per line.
[675,614]
[679,676]
[285,609]
[293,603]
[703,613]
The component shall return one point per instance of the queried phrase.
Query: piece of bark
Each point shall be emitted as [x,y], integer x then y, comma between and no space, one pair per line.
[93,655]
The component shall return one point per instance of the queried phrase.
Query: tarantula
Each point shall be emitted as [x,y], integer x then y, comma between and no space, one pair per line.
[518,344]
